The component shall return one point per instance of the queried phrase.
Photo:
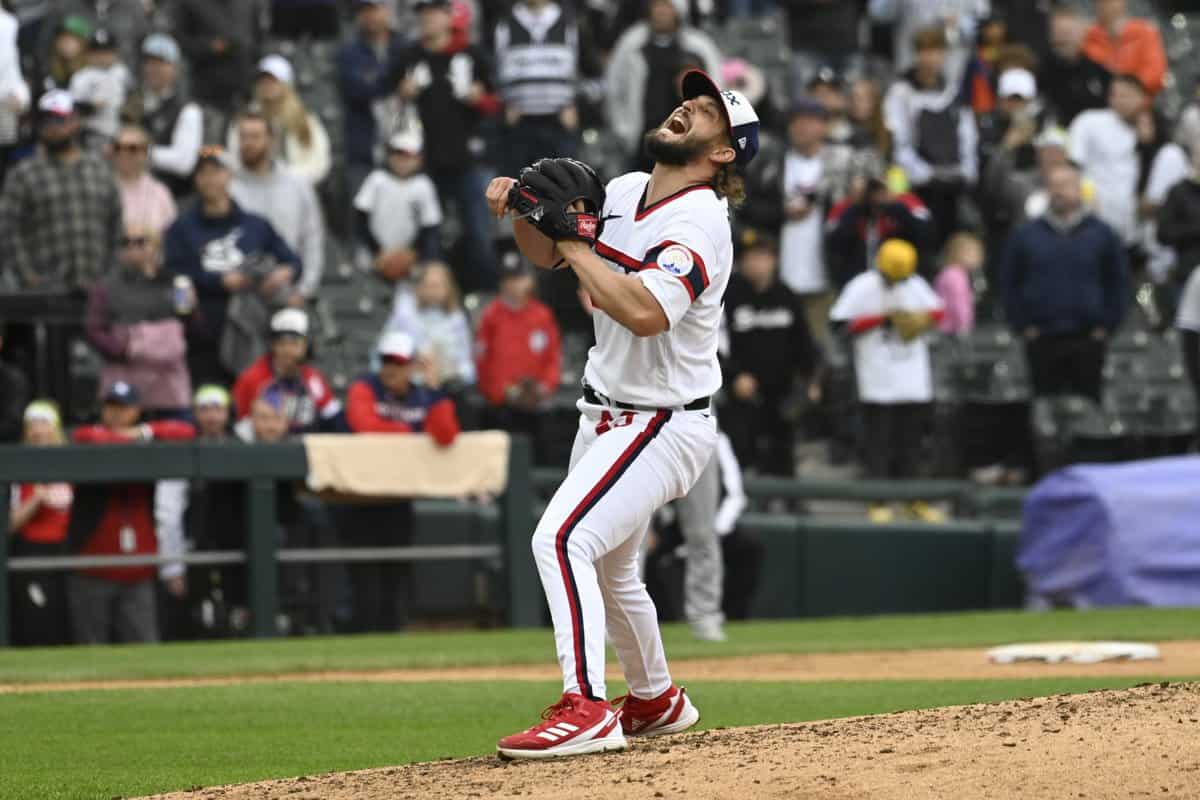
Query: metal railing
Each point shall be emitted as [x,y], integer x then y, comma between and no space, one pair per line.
[260,467]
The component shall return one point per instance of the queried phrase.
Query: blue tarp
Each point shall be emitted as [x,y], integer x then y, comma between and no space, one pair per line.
[1115,534]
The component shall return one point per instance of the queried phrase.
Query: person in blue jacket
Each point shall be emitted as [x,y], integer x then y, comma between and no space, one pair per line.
[1066,287]
[362,65]
[223,250]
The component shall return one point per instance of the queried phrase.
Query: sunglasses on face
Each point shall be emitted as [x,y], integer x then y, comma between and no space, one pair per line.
[130,147]
[134,241]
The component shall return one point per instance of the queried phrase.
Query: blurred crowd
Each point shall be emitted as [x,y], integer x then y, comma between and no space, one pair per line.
[182,200]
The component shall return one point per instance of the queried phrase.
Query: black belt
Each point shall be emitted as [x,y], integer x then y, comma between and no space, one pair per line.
[590,395]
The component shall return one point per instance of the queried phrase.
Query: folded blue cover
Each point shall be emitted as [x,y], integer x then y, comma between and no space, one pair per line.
[1115,534]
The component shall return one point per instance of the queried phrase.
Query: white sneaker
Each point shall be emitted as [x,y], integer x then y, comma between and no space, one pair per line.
[709,630]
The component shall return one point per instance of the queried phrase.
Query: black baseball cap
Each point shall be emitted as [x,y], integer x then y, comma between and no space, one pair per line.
[510,262]
[805,106]
[123,394]
[102,39]
[825,76]
[421,5]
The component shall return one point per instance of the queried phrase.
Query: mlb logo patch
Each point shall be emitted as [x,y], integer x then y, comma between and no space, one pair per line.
[676,260]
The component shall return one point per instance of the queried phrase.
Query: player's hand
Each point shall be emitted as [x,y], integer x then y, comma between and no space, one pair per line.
[745,386]
[571,247]
[497,195]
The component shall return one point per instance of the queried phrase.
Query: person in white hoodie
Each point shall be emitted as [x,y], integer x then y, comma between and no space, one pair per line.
[263,186]
[643,72]
[99,90]
[14,92]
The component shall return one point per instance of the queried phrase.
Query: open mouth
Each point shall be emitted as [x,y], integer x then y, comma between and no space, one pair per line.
[677,124]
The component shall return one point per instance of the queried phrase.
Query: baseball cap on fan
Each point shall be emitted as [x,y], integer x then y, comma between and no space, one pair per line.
[397,347]
[57,103]
[743,121]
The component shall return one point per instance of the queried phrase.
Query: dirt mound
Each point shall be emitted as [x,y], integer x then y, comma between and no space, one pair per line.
[1137,742]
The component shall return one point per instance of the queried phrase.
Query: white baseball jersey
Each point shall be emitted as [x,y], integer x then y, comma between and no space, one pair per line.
[681,248]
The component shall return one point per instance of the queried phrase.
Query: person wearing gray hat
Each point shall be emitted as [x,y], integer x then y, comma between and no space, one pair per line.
[175,123]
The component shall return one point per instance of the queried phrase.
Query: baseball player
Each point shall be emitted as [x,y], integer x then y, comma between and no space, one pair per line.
[654,254]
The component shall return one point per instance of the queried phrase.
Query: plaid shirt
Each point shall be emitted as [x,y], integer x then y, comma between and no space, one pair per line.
[61,222]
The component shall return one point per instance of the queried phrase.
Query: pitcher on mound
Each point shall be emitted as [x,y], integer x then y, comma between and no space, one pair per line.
[654,253]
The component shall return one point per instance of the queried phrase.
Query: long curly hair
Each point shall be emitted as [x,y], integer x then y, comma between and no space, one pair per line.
[729,184]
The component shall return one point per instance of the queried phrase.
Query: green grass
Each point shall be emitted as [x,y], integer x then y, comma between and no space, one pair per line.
[473,648]
[104,744]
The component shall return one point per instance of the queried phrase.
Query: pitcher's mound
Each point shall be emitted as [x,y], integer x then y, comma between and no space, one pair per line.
[1130,743]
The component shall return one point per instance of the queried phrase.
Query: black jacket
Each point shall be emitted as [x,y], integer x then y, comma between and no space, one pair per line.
[14,394]
[1069,88]
[1179,226]
[768,336]
[228,76]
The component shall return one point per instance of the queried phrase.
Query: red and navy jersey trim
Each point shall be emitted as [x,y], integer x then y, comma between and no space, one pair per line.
[614,255]
[610,478]
[644,210]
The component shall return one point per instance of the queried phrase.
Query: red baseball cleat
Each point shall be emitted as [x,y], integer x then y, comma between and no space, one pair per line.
[670,712]
[572,726]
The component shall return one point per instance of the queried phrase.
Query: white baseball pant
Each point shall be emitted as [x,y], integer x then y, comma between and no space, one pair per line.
[625,465]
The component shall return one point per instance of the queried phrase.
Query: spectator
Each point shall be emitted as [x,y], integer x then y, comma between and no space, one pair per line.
[1188,323]
[1071,82]
[37,527]
[60,212]
[982,71]
[888,311]
[300,141]
[962,257]
[263,186]
[1179,221]
[220,39]
[399,221]
[390,401]
[210,407]
[99,90]
[791,195]
[174,122]
[867,216]
[865,114]
[644,69]
[362,67]
[1011,173]
[301,19]
[1104,144]
[145,201]
[67,53]
[127,20]
[118,519]
[450,87]
[14,92]
[1161,165]
[517,356]
[1126,46]
[1066,287]
[440,328]
[1187,129]
[14,394]
[769,346]
[215,519]
[133,321]
[957,19]
[537,70]
[1051,147]
[934,135]
[308,402]
[223,249]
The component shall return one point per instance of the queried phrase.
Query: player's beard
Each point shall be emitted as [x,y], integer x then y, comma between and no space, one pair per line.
[672,154]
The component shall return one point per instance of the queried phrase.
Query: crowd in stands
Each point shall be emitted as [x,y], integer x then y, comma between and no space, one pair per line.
[228,189]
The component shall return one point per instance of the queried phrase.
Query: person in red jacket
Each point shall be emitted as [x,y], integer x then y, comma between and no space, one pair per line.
[310,404]
[118,519]
[1126,46]
[390,402]
[518,355]
[37,526]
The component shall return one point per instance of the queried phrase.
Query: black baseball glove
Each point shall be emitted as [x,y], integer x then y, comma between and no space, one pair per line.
[545,192]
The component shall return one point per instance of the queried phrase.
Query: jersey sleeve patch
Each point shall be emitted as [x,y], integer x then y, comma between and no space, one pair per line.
[681,261]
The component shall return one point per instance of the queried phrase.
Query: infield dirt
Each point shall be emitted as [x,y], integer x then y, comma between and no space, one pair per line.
[1139,742]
